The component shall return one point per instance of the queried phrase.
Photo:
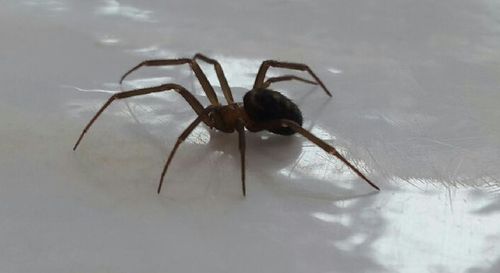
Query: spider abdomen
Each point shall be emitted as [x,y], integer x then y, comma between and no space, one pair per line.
[264,105]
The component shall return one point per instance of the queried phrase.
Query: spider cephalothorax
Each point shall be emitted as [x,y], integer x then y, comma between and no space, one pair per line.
[262,108]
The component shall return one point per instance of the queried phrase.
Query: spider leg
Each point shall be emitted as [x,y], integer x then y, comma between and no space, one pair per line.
[220,75]
[181,139]
[286,78]
[259,79]
[202,78]
[242,145]
[323,145]
[195,104]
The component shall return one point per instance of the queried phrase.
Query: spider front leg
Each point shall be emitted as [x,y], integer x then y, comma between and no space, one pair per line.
[195,104]
[323,145]
[181,139]
[202,78]
[220,75]
[242,146]
[271,80]
[261,75]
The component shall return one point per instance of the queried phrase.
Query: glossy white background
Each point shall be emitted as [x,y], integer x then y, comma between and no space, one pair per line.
[415,105]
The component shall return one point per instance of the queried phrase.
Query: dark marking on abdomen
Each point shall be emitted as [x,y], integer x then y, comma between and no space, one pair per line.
[264,105]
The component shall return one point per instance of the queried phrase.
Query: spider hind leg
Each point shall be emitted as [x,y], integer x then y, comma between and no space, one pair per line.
[261,74]
[314,139]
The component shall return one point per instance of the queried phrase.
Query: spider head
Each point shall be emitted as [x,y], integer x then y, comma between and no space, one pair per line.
[222,118]
[215,118]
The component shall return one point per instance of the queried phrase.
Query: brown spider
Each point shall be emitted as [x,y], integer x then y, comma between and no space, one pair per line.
[262,108]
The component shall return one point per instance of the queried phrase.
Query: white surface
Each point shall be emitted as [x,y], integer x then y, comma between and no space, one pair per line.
[416,92]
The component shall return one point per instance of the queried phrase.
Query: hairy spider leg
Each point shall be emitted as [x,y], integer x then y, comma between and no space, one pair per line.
[261,74]
[271,80]
[242,147]
[202,78]
[181,139]
[195,104]
[220,75]
[323,145]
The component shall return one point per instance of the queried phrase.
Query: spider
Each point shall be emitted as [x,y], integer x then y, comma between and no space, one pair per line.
[262,108]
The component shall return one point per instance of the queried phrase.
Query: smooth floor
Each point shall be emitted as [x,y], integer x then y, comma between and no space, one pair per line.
[415,106]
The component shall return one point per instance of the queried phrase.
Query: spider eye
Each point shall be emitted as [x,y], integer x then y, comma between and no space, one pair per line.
[211,116]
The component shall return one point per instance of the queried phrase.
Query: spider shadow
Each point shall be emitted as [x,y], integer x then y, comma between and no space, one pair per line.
[275,162]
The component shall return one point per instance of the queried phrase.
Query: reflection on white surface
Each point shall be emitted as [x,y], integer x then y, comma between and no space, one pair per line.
[351,243]
[89,90]
[312,162]
[344,220]
[200,136]
[415,88]
[315,163]
[109,40]
[439,232]
[153,52]
[51,5]
[145,82]
[322,133]
[335,70]
[114,8]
